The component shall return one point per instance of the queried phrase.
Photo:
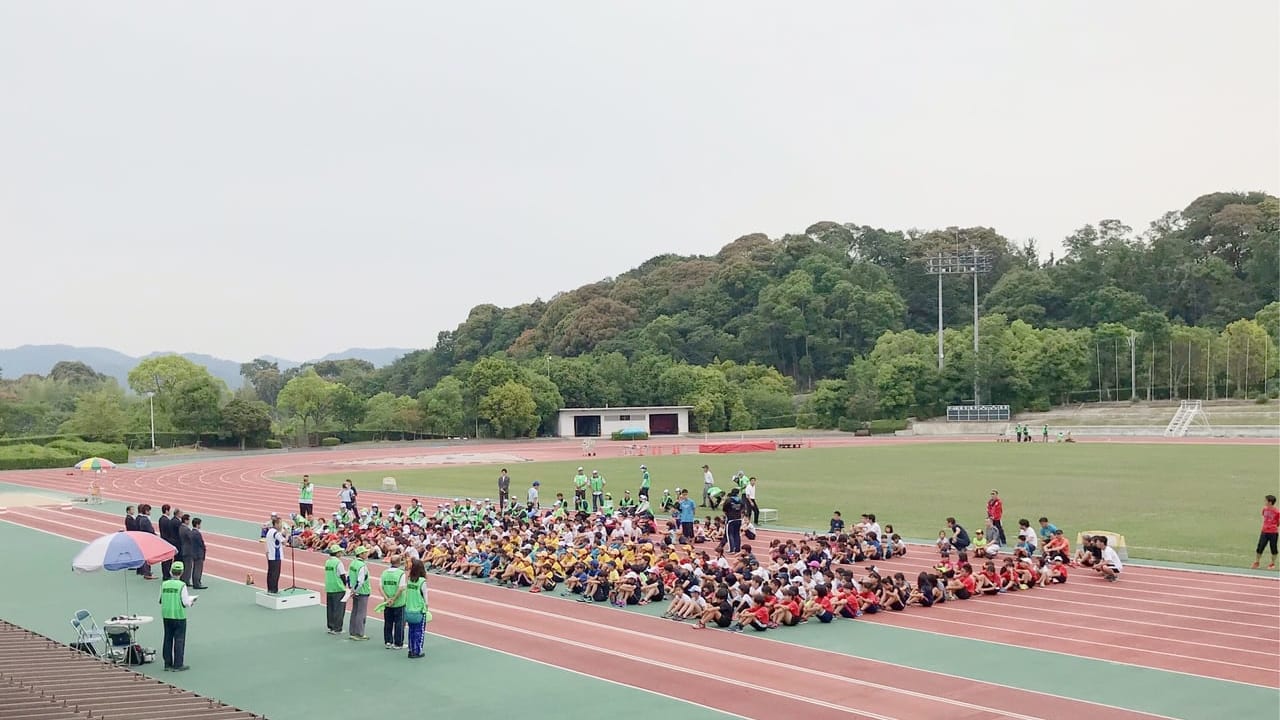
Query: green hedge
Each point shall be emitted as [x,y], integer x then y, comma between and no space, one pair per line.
[272,444]
[142,440]
[617,435]
[330,442]
[355,436]
[35,439]
[115,452]
[33,457]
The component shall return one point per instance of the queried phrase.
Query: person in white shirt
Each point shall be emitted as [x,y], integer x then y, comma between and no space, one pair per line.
[707,482]
[533,495]
[749,494]
[275,540]
[1110,565]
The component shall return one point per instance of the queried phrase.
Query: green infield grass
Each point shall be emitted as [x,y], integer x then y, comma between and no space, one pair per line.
[1185,503]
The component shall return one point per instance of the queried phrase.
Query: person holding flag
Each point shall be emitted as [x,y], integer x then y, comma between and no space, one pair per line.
[358,582]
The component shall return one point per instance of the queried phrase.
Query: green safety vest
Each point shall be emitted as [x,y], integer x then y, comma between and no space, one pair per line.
[715,491]
[354,573]
[305,493]
[644,479]
[580,481]
[607,506]
[171,607]
[332,582]
[626,502]
[415,603]
[390,583]
[597,484]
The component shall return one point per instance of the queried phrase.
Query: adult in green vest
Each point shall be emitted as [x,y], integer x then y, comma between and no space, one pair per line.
[358,581]
[597,490]
[306,493]
[335,586]
[644,481]
[393,583]
[415,607]
[580,490]
[174,601]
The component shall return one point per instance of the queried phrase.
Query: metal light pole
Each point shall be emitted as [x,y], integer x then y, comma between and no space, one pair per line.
[152,398]
[958,263]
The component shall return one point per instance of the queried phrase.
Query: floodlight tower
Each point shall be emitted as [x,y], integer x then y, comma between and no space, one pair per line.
[971,261]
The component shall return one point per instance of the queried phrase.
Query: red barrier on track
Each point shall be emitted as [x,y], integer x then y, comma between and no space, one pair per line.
[737,447]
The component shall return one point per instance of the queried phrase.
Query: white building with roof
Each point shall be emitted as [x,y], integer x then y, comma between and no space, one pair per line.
[603,422]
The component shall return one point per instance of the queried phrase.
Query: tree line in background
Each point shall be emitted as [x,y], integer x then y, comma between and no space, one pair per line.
[826,328]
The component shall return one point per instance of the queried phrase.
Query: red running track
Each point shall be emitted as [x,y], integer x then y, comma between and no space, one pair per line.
[626,648]
[1219,626]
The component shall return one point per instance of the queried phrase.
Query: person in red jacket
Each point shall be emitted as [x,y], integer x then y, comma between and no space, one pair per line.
[1270,531]
[995,511]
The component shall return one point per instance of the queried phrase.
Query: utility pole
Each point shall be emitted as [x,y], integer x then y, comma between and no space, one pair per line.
[1133,365]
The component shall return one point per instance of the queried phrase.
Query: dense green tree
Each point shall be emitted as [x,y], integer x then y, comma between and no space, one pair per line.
[510,410]
[307,397]
[265,378]
[346,407]
[248,421]
[195,405]
[99,415]
[75,372]
[442,408]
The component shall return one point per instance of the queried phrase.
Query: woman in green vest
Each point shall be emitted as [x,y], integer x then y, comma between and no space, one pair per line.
[306,494]
[358,581]
[174,602]
[415,607]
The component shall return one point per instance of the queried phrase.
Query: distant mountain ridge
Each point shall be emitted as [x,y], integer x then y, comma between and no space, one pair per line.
[39,359]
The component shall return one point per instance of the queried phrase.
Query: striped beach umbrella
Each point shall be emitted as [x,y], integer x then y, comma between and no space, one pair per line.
[95,463]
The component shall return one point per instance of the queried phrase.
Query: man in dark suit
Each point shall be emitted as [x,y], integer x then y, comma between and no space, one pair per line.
[196,555]
[130,520]
[144,525]
[167,534]
[184,547]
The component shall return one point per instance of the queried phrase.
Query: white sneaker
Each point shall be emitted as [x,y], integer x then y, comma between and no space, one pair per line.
[389,646]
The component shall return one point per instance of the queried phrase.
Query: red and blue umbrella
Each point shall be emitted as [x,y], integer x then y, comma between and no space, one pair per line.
[123,551]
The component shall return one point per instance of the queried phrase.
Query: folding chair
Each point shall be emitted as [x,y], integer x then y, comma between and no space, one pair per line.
[88,634]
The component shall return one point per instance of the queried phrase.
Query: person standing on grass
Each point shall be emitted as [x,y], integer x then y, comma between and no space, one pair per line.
[504,488]
[749,497]
[358,581]
[995,511]
[335,583]
[708,481]
[580,490]
[306,495]
[597,490]
[1270,531]
[644,482]
[685,508]
[415,607]
[393,583]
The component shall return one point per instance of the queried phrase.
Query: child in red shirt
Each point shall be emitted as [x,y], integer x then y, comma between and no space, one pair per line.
[1270,531]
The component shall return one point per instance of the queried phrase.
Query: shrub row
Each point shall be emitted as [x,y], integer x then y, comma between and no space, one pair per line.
[330,442]
[142,440]
[35,440]
[620,435]
[272,444]
[35,457]
[354,436]
[81,449]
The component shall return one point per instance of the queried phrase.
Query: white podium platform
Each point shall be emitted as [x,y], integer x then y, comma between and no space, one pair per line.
[288,599]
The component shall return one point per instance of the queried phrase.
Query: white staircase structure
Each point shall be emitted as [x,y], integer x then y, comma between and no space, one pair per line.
[1188,412]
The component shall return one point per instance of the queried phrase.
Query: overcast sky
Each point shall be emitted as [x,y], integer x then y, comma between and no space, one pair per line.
[296,178]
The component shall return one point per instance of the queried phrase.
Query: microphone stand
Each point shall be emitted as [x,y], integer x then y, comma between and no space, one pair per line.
[293,569]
